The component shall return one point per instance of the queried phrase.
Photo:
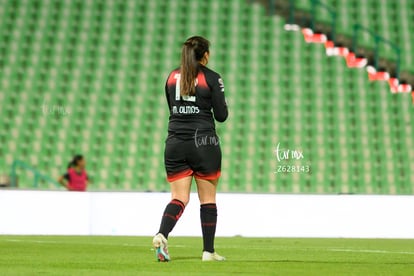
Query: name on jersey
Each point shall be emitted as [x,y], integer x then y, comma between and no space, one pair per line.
[185,109]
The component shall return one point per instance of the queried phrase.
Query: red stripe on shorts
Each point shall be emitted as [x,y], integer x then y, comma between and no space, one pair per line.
[210,176]
[178,176]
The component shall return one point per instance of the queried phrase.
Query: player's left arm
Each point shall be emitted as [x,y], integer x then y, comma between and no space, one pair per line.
[167,95]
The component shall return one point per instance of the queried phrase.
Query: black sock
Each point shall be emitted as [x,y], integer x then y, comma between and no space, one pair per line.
[208,216]
[172,213]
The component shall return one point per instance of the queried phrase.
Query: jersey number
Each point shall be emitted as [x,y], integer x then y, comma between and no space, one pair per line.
[178,90]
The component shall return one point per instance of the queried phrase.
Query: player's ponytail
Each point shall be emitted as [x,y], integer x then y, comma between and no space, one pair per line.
[192,53]
[75,161]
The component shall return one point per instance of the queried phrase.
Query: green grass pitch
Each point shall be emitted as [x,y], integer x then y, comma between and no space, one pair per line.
[84,255]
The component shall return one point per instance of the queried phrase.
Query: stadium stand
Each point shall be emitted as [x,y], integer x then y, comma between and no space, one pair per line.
[88,76]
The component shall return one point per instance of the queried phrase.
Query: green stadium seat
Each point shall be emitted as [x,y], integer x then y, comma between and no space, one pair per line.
[107,61]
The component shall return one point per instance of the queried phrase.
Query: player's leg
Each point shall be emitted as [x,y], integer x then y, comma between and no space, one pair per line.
[208,216]
[206,190]
[180,194]
[206,164]
[179,175]
[208,211]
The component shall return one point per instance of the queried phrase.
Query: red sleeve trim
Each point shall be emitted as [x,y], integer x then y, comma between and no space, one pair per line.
[201,80]
[171,78]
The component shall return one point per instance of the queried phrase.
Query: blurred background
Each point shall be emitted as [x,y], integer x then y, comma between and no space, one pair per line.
[87,76]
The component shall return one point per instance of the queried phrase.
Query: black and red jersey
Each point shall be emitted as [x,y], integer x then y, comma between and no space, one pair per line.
[189,114]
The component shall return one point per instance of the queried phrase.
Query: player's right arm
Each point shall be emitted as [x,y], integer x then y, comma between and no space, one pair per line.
[218,100]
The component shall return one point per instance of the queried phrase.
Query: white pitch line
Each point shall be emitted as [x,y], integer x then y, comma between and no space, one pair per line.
[329,249]
[31,241]
[370,251]
[55,242]
[12,240]
[276,247]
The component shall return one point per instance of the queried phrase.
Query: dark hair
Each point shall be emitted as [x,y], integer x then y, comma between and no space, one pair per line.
[192,53]
[75,160]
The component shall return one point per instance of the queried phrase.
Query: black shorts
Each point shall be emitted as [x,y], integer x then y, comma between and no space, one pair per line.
[200,157]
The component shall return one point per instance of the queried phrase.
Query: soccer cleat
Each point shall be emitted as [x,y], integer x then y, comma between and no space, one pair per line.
[207,256]
[161,248]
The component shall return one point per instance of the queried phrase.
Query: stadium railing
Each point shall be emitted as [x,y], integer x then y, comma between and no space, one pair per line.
[37,175]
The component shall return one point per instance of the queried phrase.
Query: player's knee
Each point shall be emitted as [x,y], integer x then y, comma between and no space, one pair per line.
[183,199]
[209,200]
[207,197]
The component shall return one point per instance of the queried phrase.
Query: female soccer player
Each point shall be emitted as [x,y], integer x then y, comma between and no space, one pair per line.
[192,147]
[76,178]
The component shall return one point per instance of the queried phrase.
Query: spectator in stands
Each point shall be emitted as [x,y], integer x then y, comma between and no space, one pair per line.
[76,178]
